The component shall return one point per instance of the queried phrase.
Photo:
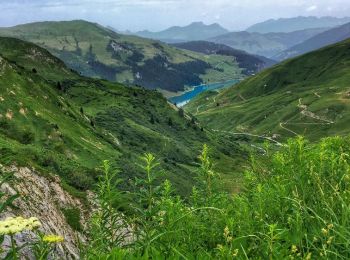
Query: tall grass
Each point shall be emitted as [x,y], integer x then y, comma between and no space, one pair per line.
[294,205]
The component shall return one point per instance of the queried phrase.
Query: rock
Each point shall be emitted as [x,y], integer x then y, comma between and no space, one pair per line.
[43,197]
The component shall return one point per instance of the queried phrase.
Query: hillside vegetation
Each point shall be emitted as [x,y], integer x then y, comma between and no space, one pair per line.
[251,63]
[62,123]
[96,51]
[293,206]
[308,95]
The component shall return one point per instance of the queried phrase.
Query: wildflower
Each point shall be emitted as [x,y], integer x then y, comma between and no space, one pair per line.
[226,231]
[161,213]
[220,247]
[308,256]
[324,231]
[294,249]
[235,252]
[330,226]
[229,239]
[11,226]
[53,239]
[329,241]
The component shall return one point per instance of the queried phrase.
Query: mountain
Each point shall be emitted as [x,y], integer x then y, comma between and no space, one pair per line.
[308,95]
[193,32]
[61,123]
[96,51]
[251,63]
[297,23]
[329,37]
[265,44]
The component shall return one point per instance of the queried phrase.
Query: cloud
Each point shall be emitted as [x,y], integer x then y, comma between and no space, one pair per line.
[159,14]
[311,8]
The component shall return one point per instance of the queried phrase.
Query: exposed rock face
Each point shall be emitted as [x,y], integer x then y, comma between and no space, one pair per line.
[44,198]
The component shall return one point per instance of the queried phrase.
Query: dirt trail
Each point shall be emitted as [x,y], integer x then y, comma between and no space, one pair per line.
[249,134]
[306,112]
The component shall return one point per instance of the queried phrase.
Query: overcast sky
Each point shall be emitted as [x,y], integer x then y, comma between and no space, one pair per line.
[159,14]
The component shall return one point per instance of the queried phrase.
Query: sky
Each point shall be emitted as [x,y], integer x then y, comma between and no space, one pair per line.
[156,15]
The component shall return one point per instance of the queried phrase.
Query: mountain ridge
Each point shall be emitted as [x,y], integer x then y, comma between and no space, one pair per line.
[251,63]
[325,38]
[265,44]
[192,32]
[96,51]
[297,23]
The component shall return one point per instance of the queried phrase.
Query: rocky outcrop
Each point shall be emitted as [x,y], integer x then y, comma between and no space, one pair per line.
[44,198]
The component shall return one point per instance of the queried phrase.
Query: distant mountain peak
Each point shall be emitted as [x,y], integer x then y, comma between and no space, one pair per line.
[194,31]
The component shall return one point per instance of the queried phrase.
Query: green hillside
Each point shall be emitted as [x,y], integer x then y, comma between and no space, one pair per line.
[309,95]
[62,123]
[96,51]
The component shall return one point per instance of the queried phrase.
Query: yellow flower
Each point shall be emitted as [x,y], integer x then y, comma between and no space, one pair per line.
[324,231]
[235,252]
[220,247]
[294,249]
[53,239]
[11,226]
[329,241]
[330,226]
[308,257]
[226,231]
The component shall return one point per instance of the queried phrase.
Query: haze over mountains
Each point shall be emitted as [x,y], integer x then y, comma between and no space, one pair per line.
[269,38]
[265,44]
[297,23]
[328,37]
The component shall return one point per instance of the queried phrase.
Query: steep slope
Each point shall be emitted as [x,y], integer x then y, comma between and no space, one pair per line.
[265,44]
[329,37]
[251,63]
[62,123]
[96,51]
[193,32]
[297,23]
[308,95]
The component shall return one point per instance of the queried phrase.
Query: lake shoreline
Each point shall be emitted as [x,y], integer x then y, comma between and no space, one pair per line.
[188,95]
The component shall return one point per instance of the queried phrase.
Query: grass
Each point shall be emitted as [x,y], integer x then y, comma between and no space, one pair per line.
[293,205]
[307,96]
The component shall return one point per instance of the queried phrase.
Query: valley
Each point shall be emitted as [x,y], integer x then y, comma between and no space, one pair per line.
[129,130]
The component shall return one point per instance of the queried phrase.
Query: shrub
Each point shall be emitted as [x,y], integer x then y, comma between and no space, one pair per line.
[72,216]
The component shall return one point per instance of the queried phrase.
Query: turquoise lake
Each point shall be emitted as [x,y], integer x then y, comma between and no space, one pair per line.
[188,95]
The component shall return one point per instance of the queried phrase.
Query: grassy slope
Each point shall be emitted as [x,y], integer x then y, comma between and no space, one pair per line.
[86,47]
[47,124]
[308,95]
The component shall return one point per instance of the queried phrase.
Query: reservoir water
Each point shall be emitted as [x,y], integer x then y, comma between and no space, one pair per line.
[188,95]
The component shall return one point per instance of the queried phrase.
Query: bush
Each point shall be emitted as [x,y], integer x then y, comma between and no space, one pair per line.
[72,216]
